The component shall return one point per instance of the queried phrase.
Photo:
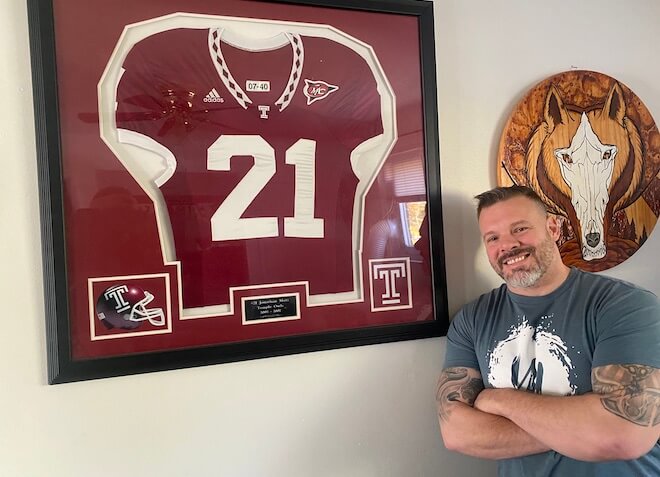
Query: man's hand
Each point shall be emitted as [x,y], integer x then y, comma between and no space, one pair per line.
[490,400]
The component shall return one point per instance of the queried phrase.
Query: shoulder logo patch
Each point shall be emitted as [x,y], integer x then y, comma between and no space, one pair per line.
[316,90]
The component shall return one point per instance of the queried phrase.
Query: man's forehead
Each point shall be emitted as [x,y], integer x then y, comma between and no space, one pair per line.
[512,210]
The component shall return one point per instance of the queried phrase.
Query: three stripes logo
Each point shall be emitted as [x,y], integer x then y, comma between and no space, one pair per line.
[213,97]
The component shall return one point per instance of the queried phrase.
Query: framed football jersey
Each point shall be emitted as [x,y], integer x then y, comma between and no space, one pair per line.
[233,180]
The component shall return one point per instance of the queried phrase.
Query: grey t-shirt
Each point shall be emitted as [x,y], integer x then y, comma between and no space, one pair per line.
[549,345]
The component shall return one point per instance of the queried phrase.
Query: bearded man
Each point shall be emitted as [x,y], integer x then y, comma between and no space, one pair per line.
[554,373]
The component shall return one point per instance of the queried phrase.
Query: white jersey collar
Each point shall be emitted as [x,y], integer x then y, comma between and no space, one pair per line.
[249,44]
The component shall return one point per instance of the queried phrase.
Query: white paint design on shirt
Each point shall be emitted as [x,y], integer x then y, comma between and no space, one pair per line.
[532,359]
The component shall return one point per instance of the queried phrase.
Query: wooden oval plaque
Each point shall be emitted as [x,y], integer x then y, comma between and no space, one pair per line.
[590,148]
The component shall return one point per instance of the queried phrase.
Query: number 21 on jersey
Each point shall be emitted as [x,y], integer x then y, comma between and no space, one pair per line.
[227,223]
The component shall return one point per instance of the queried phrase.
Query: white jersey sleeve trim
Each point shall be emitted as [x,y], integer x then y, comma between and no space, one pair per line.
[159,174]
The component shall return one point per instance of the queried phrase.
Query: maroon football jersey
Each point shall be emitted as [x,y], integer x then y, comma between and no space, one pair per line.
[256,143]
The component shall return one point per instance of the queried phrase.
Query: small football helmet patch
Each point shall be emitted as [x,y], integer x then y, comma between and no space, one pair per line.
[125,306]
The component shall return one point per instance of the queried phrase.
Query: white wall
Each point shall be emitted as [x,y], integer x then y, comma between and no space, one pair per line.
[489,54]
[360,412]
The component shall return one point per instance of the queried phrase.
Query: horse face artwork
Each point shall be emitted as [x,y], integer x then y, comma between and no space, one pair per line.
[582,147]
[587,160]
[586,166]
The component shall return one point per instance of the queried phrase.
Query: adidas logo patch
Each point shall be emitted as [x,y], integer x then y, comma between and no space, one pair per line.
[213,97]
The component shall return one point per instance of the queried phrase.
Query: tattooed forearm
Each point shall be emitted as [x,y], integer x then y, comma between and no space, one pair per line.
[457,384]
[630,391]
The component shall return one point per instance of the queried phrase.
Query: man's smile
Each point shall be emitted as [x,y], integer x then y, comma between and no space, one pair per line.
[517,259]
[514,257]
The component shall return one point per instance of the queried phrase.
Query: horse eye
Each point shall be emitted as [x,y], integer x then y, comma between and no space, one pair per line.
[567,158]
[607,154]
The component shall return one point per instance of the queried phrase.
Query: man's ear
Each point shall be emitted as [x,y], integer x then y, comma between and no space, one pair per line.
[553,226]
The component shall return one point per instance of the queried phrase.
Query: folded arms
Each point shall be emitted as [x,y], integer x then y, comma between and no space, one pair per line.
[619,420]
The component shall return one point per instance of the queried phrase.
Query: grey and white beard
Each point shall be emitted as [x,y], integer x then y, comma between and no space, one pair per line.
[524,278]
[529,277]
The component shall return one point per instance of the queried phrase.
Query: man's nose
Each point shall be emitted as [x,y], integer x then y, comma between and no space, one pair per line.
[508,242]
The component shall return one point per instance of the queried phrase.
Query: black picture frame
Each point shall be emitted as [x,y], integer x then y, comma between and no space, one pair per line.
[58,252]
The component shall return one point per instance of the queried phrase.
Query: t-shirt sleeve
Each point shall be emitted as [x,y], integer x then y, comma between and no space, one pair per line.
[460,342]
[628,328]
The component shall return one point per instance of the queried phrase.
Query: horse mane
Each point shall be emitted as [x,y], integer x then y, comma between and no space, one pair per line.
[534,149]
[632,191]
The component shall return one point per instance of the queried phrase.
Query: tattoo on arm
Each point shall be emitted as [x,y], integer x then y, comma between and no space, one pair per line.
[631,391]
[457,384]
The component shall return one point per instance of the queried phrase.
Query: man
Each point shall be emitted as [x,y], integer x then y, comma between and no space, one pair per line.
[569,359]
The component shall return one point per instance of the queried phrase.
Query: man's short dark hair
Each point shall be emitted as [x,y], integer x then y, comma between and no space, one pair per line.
[499,194]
